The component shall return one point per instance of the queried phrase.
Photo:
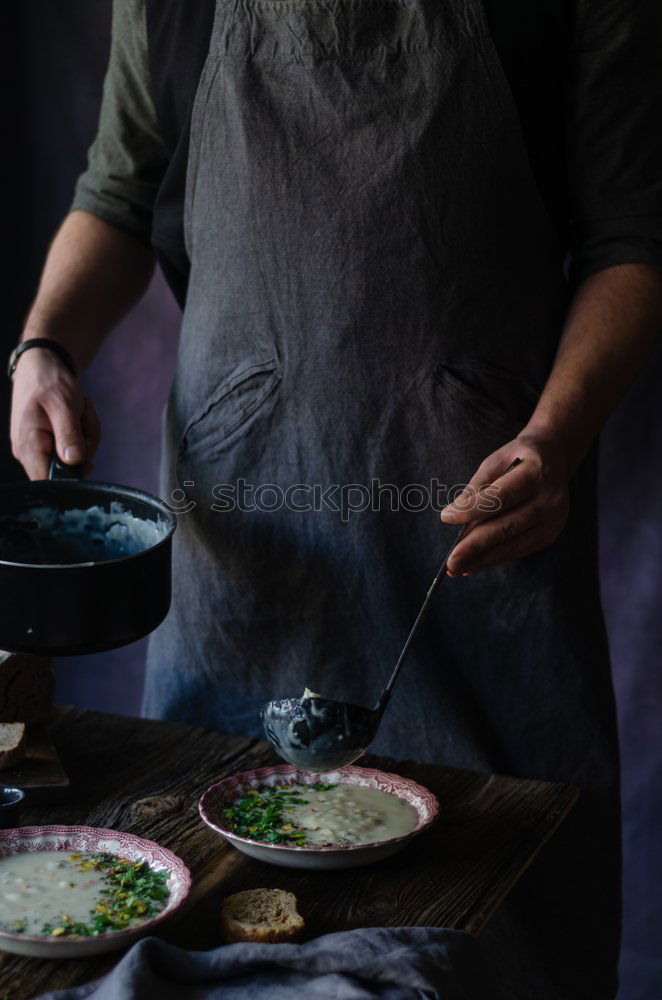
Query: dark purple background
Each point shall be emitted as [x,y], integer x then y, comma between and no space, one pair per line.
[54,58]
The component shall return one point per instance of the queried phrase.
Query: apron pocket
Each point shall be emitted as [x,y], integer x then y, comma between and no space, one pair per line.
[230,410]
[492,392]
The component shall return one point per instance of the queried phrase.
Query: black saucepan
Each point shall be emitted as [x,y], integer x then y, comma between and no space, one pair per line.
[84,566]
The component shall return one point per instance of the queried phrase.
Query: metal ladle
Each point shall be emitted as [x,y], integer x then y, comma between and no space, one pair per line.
[319,734]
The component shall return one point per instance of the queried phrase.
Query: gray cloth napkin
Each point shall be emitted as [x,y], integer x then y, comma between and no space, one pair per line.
[387,963]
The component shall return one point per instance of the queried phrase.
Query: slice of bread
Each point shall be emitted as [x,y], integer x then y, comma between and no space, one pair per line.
[267,915]
[12,744]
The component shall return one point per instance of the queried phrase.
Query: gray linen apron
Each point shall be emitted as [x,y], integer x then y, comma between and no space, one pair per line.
[376,294]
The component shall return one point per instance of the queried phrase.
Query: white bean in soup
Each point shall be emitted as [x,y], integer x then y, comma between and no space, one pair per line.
[320,815]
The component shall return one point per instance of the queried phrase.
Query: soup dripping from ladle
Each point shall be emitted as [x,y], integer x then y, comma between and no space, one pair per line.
[320,734]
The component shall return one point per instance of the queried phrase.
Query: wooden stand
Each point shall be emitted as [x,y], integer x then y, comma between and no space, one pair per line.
[40,774]
[27,686]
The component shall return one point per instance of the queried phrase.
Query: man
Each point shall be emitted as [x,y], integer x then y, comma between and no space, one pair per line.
[365,209]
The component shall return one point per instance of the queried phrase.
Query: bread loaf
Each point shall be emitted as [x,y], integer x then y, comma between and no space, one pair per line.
[267,915]
[12,744]
[27,686]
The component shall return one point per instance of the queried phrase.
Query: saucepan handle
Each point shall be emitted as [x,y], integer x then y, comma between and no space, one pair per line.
[59,470]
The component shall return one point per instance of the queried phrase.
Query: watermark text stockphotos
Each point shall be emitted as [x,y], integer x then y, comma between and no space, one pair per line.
[345,499]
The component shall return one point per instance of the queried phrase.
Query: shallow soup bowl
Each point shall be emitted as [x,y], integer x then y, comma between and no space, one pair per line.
[329,856]
[92,840]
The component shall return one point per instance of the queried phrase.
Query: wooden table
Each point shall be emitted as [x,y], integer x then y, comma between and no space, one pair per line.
[146,777]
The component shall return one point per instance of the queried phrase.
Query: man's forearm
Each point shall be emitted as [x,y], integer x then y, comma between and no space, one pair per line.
[611,327]
[94,273]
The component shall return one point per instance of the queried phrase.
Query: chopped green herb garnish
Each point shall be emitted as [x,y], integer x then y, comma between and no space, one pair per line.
[261,813]
[132,893]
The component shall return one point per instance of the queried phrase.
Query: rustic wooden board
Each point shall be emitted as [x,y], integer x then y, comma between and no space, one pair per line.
[40,774]
[146,777]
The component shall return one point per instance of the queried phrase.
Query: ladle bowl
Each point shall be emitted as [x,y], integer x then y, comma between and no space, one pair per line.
[318,734]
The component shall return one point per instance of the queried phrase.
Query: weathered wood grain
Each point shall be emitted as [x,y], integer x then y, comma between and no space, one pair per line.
[146,777]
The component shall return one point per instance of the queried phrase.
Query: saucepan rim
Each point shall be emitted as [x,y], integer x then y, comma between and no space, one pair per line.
[120,493]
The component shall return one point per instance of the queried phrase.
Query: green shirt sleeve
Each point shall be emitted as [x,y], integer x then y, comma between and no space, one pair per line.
[127,159]
[614,138]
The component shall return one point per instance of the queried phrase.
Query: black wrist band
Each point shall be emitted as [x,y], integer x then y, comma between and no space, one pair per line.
[50,345]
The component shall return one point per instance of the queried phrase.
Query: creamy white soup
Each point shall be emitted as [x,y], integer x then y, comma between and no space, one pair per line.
[55,893]
[319,814]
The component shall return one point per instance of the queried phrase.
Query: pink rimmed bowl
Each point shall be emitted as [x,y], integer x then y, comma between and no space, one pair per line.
[225,792]
[91,840]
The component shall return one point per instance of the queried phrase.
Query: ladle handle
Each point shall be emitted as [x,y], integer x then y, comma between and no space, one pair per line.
[441,573]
